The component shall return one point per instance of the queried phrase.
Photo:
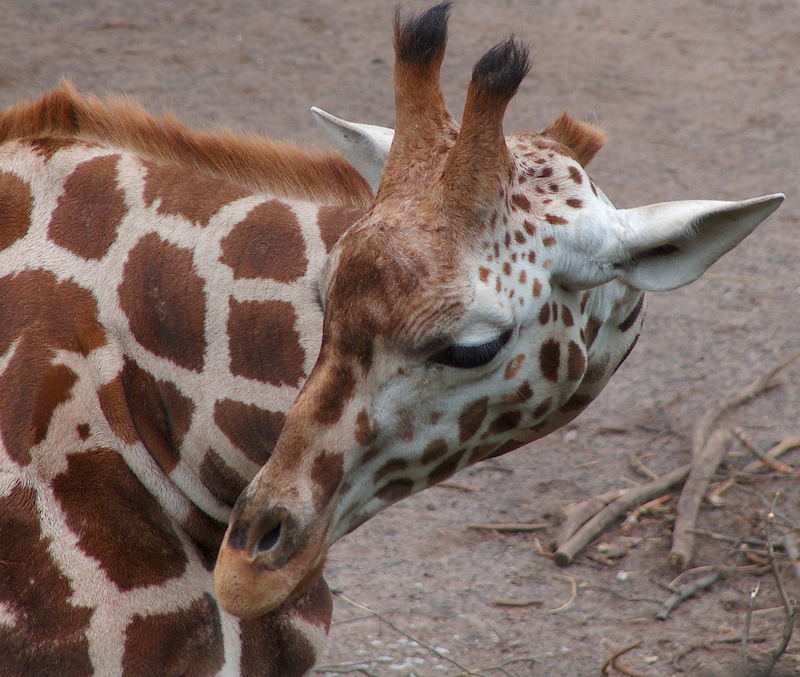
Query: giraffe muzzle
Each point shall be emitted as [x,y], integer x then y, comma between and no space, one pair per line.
[266,558]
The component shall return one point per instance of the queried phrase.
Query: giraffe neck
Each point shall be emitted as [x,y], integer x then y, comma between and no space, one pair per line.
[206,319]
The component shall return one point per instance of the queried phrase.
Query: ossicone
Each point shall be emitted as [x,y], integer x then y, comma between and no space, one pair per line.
[421,38]
[500,71]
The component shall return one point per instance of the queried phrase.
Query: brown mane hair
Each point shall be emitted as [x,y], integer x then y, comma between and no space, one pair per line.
[258,163]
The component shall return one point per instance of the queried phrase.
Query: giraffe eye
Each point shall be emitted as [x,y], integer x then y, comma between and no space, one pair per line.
[471,356]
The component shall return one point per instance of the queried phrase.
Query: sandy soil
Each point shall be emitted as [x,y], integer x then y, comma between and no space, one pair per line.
[701,100]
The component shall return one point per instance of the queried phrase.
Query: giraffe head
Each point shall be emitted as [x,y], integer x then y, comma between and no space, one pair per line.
[484,298]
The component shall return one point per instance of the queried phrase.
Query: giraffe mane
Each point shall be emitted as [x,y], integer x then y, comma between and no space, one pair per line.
[256,162]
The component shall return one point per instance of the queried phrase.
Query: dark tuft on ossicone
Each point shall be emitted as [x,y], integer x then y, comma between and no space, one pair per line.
[500,71]
[418,38]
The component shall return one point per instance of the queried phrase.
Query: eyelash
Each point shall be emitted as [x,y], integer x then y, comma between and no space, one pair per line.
[470,357]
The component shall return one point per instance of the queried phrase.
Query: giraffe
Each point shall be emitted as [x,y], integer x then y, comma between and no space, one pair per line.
[219,354]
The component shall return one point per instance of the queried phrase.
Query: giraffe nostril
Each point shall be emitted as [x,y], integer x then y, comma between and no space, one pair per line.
[269,541]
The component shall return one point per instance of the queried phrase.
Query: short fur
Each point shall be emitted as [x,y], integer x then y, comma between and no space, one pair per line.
[583,138]
[254,162]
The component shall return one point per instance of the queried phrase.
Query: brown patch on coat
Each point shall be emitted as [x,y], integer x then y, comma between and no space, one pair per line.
[575,203]
[327,471]
[433,451]
[49,632]
[16,203]
[83,430]
[332,221]
[521,201]
[90,209]
[471,418]
[252,430]
[271,641]
[504,423]
[542,410]
[392,466]
[514,365]
[443,470]
[582,138]
[160,414]
[257,163]
[593,326]
[395,491]
[47,146]
[555,220]
[336,389]
[550,359]
[187,642]
[264,344]
[576,361]
[220,479]
[483,274]
[117,521]
[630,320]
[365,432]
[266,243]
[164,299]
[544,313]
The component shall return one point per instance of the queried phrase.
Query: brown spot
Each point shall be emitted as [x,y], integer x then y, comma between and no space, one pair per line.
[537,288]
[393,466]
[16,203]
[514,366]
[181,192]
[521,201]
[187,642]
[443,470]
[523,277]
[83,430]
[160,413]
[334,220]
[483,273]
[574,203]
[531,256]
[90,209]
[48,146]
[480,452]
[548,241]
[529,227]
[596,371]
[504,423]
[31,389]
[584,300]
[327,471]
[555,311]
[566,316]
[522,393]
[471,418]
[266,244]
[433,452]
[252,430]
[436,416]
[554,187]
[163,297]
[269,642]
[498,285]
[507,239]
[264,344]
[577,402]
[405,425]
[555,220]
[576,361]
[592,328]
[544,313]
[369,455]
[550,359]
[629,321]
[545,172]
[575,174]
[394,491]
[519,236]
[48,635]
[118,522]
[542,410]
[220,479]
[507,268]
[337,388]
[365,433]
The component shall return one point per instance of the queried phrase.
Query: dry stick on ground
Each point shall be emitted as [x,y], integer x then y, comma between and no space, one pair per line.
[508,526]
[763,463]
[787,603]
[627,499]
[707,452]
[613,661]
[789,542]
[686,591]
[704,465]
[747,620]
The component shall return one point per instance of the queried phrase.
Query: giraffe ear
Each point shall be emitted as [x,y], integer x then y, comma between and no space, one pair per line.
[366,147]
[667,245]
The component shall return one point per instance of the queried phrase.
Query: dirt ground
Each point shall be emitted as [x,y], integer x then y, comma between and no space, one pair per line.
[701,100]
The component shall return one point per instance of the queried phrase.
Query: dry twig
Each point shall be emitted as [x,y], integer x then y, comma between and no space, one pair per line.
[507,526]
[626,499]
[573,594]
[751,602]
[704,465]
[613,661]
[686,591]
